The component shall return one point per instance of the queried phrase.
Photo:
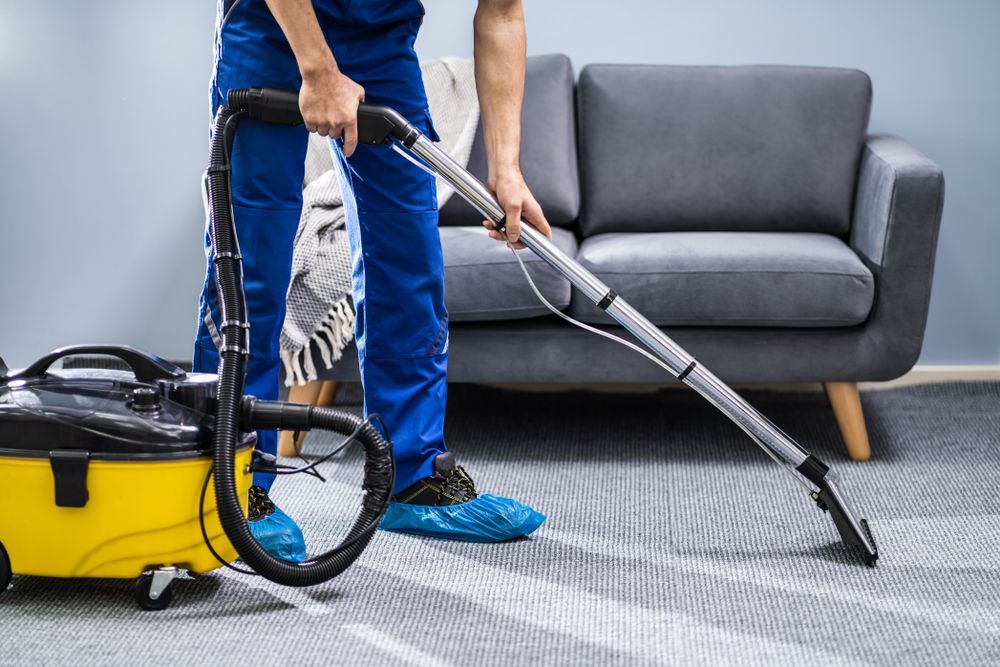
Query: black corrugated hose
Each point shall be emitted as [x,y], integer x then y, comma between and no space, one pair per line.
[232,406]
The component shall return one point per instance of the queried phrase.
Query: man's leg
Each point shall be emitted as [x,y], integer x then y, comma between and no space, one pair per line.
[402,336]
[402,324]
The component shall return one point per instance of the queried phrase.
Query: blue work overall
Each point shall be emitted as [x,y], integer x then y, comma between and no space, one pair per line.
[391,205]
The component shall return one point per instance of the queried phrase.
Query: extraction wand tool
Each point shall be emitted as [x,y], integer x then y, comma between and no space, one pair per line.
[378,125]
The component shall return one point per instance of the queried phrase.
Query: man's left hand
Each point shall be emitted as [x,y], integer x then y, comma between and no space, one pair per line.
[519,204]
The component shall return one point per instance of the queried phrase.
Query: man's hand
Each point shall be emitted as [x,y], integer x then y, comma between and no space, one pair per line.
[518,203]
[329,103]
[499,56]
[328,100]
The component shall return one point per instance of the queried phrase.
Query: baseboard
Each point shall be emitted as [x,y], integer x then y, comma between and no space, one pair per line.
[931,374]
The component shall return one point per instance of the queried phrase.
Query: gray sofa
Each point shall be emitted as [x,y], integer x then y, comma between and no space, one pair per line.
[743,209]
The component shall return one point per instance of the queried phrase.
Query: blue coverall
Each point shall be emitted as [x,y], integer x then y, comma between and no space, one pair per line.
[391,205]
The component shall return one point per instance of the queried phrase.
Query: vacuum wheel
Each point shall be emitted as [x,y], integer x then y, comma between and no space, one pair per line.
[142,588]
[5,571]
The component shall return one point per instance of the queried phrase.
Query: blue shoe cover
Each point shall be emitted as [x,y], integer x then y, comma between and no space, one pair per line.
[279,536]
[487,518]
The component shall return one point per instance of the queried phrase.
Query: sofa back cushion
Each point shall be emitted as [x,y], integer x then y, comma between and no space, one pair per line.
[548,145]
[674,148]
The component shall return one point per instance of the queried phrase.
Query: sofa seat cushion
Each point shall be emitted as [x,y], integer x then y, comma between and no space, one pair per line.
[483,280]
[767,279]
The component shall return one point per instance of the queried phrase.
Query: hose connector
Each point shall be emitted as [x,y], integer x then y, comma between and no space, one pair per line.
[269,105]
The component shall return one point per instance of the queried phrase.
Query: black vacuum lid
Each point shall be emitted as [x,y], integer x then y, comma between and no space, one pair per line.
[107,413]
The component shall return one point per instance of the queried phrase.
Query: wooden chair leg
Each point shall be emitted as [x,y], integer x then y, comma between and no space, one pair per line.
[846,403]
[307,393]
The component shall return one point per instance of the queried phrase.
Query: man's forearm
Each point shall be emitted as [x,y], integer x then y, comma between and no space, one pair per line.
[328,100]
[499,56]
[297,19]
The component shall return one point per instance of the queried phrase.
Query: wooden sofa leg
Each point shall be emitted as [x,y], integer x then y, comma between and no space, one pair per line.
[328,394]
[846,403]
[307,393]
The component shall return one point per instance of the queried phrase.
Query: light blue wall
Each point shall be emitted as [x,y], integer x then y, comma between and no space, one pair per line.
[99,208]
[103,110]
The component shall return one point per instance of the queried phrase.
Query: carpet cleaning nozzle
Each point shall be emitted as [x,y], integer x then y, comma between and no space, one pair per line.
[855,533]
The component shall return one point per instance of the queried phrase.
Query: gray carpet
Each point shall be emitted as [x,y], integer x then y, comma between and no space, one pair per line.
[671,539]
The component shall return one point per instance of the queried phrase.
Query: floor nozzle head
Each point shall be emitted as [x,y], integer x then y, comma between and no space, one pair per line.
[853,531]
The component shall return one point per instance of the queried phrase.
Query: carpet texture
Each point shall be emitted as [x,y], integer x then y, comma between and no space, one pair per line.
[671,539]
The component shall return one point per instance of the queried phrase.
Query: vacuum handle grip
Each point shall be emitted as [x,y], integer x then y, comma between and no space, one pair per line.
[376,124]
[145,366]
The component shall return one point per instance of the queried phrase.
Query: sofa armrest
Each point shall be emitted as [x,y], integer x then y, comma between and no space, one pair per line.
[897,215]
[900,194]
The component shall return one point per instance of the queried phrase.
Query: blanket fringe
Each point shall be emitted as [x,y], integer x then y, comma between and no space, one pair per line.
[334,333]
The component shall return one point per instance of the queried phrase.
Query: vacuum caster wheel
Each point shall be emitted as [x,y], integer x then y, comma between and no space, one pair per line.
[142,594]
[5,571]
[152,591]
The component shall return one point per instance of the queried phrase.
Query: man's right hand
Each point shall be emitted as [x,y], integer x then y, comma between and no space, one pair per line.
[328,100]
[329,103]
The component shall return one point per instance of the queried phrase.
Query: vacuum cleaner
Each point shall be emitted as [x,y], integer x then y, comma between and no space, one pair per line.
[379,125]
[106,473]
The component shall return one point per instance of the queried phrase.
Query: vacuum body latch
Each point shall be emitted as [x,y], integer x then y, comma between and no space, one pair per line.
[69,469]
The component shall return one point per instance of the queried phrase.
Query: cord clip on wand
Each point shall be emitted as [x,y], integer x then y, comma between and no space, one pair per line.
[381,125]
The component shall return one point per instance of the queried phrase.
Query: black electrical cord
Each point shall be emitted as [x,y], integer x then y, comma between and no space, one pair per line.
[310,469]
[204,532]
[281,469]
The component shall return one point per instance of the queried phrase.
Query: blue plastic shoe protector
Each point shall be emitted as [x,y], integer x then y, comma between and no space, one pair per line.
[280,536]
[487,518]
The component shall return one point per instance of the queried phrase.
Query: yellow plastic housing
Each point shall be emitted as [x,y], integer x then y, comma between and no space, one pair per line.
[139,515]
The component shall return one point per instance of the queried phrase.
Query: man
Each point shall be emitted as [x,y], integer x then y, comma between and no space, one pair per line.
[338,53]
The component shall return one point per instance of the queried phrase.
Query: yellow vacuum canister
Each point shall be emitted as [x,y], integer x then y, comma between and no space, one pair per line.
[146,472]
[107,469]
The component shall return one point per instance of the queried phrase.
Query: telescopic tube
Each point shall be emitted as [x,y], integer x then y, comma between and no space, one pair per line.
[700,379]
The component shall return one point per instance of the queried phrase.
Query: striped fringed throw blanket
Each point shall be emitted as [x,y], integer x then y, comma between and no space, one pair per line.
[319,314]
